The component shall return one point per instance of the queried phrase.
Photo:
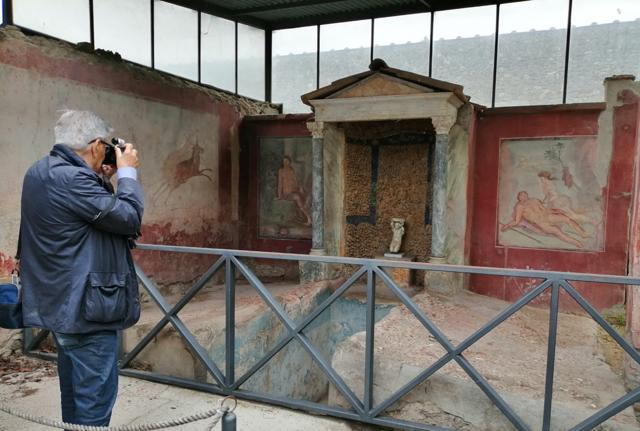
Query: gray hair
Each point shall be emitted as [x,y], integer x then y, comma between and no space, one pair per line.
[76,129]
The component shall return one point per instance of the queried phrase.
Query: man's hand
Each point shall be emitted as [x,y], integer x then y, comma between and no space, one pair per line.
[128,157]
[109,170]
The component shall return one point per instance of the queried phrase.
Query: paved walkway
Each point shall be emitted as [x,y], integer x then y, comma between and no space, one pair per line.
[140,402]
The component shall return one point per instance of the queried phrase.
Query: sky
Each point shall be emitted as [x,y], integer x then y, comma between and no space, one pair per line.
[123,25]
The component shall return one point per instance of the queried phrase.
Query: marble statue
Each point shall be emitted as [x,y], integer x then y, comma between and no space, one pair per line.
[397,226]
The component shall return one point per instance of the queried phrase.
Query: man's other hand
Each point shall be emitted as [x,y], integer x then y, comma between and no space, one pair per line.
[128,157]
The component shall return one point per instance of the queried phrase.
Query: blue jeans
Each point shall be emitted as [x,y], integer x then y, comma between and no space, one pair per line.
[88,373]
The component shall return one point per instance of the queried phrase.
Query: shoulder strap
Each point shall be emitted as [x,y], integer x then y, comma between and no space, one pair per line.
[19,250]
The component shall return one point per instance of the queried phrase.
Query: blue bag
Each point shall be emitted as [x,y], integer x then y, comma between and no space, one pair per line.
[8,294]
[10,298]
[10,307]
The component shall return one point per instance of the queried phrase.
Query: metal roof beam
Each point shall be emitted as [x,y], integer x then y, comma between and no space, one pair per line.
[347,16]
[286,6]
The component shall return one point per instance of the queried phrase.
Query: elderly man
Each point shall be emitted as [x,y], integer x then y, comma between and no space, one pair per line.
[77,271]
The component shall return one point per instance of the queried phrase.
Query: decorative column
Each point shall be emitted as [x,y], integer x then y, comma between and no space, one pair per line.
[314,272]
[439,198]
[317,190]
[441,282]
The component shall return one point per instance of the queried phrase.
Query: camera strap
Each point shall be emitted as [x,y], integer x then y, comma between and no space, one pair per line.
[19,249]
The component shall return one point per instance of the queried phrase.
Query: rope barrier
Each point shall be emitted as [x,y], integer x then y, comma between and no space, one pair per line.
[215,415]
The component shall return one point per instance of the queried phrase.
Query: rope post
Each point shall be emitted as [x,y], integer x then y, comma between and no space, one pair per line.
[229,422]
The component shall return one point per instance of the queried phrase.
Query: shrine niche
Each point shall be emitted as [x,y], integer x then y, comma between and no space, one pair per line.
[391,144]
[388,174]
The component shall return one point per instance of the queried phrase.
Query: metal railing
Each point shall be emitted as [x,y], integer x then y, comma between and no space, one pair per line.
[362,410]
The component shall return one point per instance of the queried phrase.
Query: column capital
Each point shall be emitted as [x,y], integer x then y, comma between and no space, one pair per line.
[442,124]
[316,128]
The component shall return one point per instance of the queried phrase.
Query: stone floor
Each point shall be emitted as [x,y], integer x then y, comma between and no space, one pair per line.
[512,358]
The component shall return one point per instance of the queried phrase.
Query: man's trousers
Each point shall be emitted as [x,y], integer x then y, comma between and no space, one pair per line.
[88,373]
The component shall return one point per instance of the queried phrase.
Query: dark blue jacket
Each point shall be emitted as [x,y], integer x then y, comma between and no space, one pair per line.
[77,271]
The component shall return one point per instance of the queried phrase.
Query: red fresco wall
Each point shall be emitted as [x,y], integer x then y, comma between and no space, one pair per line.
[71,71]
[571,120]
[254,128]
[251,131]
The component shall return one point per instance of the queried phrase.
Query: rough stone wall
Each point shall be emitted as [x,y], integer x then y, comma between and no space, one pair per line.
[175,124]
[402,190]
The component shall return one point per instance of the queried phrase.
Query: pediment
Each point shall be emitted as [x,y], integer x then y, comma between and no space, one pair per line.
[380,84]
[383,81]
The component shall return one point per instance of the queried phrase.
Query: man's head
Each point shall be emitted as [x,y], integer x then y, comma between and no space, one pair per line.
[86,134]
[523,196]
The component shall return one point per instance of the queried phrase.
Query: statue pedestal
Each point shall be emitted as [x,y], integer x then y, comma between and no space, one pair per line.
[403,277]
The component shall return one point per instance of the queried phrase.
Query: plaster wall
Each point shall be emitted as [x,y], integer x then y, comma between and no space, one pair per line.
[615,125]
[458,168]
[632,90]
[176,125]
[334,189]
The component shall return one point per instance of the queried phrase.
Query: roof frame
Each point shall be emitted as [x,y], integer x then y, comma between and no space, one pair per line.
[250,15]
[284,6]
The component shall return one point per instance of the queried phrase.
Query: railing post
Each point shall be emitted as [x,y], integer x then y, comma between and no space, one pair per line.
[229,422]
[230,308]
[27,340]
[551,356]
[7,12]
[370,336]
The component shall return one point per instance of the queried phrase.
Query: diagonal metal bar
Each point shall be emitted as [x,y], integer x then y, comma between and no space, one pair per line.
[197,349]
[263,361]
[490,392]
[598,318]
[155,294]
[433,368]
[176,308]
[34,342]
[290,325]
[418,313]
[186,335]
[202,281]
[504,315]
[310,318]
[551,357]
[370,339]
[448,346]
[501,317]
[153,291]
[611,410]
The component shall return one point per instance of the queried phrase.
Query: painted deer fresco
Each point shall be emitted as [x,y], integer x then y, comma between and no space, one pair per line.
[176,172]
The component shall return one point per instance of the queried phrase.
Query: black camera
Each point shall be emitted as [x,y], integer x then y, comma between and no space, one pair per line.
[110,151]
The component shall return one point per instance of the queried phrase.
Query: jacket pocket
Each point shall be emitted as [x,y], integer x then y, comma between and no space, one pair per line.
[105,297]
